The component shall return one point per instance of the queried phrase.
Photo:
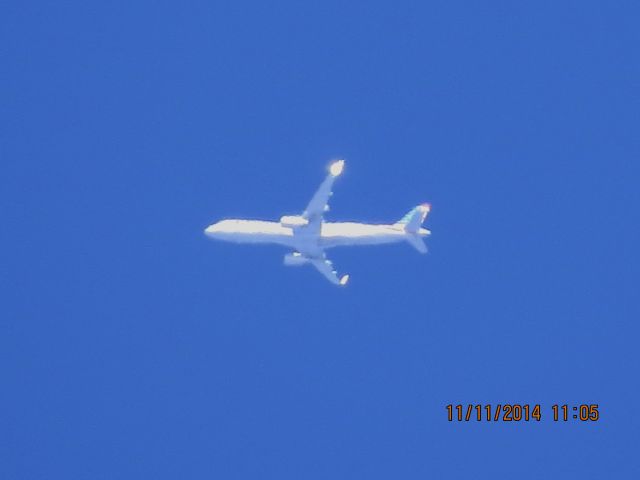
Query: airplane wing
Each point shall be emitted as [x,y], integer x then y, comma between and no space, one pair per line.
[320,201]
[325,267]
[314,214]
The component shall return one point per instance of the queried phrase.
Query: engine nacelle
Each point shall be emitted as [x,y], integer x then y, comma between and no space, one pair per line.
[293,221]
[295,259]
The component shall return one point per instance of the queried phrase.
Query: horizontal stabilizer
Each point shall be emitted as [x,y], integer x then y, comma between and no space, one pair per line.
[417,242]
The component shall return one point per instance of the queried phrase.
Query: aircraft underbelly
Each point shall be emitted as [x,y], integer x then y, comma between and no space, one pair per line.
[257,238]
[336,241]
[336,234]
[257,232]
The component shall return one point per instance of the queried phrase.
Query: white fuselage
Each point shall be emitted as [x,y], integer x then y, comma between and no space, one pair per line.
[331,234]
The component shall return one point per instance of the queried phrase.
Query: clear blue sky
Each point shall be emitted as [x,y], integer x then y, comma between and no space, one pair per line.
[132,347]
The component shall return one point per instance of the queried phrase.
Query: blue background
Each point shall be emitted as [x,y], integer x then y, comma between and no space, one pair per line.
[133,347]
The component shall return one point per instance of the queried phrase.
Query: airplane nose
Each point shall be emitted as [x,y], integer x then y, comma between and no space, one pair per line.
[211,229]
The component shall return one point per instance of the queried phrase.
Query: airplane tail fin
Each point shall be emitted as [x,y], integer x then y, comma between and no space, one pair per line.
[412,221]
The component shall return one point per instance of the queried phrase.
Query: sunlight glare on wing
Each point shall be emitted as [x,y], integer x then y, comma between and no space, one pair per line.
[336,168]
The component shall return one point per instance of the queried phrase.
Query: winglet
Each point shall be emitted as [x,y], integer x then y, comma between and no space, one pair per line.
[344,280]
[336,168]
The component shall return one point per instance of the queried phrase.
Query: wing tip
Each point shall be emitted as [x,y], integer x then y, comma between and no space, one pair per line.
[336,168]
[344,280]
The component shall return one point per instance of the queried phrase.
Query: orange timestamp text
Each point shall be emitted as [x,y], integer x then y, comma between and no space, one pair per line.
[521,412]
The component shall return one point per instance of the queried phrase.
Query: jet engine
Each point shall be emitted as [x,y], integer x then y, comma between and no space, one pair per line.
[293,221]
[295,259]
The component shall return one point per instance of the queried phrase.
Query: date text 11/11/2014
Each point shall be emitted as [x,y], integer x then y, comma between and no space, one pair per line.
[515,412]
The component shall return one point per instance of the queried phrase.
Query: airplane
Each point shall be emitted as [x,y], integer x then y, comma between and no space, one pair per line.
[309,235]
